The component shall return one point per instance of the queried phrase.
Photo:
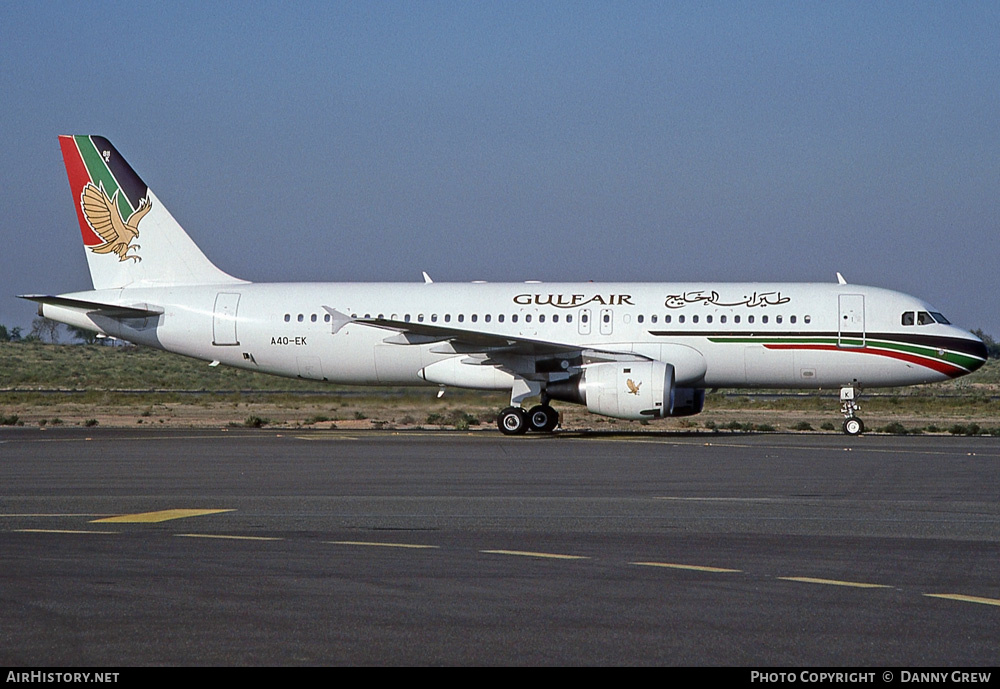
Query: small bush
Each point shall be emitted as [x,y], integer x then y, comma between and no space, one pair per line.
[90,423]
[803,426]
[963,429]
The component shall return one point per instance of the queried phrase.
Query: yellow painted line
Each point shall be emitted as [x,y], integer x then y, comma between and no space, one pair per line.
[63,531]
[382,544]
[528,553]
[967,599]
[229,538]
[836,582]
[154,517]
[696,568]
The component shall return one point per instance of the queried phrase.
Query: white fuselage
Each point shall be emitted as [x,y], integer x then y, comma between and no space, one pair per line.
[795,335]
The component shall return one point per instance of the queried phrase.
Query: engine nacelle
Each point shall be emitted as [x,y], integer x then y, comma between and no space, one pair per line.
[634,390]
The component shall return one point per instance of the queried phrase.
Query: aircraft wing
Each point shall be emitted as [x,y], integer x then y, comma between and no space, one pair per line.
[500,348]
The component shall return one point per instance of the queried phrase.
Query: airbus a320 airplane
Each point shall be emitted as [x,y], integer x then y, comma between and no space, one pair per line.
[626,350]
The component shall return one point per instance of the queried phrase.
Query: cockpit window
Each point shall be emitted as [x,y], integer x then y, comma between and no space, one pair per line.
[908,318]
[924,318]
[939,317]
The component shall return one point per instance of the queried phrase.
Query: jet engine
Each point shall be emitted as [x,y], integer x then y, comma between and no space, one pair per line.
[632,390]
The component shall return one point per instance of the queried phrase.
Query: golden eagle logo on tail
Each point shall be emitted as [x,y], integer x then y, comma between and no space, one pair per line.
[633,387]
[102,214]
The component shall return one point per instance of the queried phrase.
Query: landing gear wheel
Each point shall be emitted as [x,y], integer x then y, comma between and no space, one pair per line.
[513,421]
[543,418]
[854,426]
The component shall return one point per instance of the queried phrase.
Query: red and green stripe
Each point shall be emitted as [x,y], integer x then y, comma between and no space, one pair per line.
[941,358]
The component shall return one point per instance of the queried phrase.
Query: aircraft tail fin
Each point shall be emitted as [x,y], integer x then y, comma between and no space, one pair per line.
[131,239]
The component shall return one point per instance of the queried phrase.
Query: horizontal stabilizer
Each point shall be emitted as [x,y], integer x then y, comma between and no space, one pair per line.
[108,310]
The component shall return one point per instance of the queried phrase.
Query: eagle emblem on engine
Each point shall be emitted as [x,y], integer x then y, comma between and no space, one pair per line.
[104,218]
[633,387]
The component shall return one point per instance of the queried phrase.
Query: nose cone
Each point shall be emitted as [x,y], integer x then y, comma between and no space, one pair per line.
[977,348]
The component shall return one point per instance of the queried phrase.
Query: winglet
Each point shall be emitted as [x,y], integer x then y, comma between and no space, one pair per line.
[339,319]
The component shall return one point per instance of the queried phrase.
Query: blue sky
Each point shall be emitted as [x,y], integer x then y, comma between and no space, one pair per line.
[692,141]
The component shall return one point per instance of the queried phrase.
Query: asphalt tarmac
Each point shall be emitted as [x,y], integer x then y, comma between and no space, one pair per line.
[267,547]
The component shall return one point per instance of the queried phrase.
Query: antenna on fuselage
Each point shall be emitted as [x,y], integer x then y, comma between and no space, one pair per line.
[840,279]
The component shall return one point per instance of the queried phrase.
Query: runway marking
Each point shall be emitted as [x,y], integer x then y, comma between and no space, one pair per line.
[52,514]
[320,435]
[836,582]
[528,553]
[76,531]
[669,497]
[380,544]
[155,517]
[966,599]
[228,537]
[695,568]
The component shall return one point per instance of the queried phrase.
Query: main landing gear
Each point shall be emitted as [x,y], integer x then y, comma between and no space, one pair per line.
[516,421]
[848,406]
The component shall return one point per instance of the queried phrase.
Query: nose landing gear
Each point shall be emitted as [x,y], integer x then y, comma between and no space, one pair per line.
[848,406]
